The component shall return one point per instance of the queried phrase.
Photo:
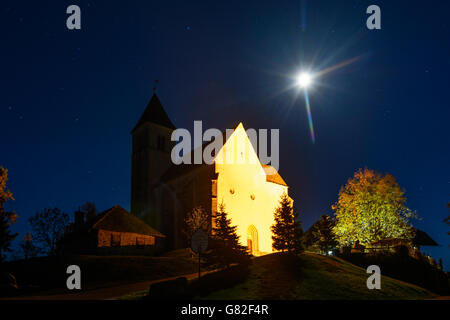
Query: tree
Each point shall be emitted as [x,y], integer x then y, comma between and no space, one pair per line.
[27,247]
[224,246]
[371,207]
[7,218]
[48,227]
[321,235]
[287,231]
[196,219]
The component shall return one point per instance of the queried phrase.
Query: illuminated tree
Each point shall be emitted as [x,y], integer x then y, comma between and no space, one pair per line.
[287,230]
[224,246]
[7,218]
[371,207]
[196,219]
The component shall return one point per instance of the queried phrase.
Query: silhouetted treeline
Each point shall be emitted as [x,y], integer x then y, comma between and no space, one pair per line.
[403,267]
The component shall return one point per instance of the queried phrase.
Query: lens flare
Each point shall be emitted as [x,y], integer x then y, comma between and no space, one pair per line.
[310,122]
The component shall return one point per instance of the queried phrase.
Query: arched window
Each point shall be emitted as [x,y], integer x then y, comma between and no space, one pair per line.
[252,240]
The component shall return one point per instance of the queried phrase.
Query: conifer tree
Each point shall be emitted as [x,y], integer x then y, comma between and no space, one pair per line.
[224,248]
[324,235]
[287,230]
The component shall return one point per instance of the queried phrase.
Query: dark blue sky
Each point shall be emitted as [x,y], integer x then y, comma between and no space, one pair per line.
[70,98]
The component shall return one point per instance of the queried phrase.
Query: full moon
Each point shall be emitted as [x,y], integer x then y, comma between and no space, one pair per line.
[304,80]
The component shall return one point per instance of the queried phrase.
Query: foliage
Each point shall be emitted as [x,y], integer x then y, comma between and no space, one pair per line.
[198,218]
[371,207]
[287,231]
[48,227]
[7,218]
[321,235]
[224,246]
[27,247]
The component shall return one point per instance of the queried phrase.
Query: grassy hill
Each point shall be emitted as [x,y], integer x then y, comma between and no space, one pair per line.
[312,276]
[48,274]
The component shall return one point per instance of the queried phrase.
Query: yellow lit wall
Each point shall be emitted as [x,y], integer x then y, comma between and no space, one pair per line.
[242,187]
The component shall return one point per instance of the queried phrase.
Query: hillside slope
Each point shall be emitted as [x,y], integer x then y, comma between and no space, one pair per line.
[312,276]
[47,275]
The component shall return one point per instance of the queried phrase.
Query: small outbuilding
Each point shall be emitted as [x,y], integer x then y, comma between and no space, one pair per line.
[112,232]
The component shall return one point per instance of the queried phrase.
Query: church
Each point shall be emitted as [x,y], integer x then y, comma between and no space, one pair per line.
[162,193]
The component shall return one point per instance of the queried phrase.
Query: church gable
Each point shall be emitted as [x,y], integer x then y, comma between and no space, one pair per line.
[238,150]
[249,190]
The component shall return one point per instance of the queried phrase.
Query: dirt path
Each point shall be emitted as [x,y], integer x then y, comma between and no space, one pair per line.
[110,293]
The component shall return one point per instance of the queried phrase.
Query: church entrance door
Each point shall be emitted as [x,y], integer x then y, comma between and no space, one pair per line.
[252,240]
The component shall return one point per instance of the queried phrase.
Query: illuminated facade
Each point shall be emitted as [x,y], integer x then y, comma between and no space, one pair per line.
[249,190]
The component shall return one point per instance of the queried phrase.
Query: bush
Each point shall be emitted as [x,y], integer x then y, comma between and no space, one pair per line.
[171,289]
[220,280]
[180,288]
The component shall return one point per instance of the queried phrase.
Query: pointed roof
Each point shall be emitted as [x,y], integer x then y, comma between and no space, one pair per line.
[155,113]
[120,220]
[175,171]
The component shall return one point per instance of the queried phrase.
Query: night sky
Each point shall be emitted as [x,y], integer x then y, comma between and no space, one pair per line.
[69,99]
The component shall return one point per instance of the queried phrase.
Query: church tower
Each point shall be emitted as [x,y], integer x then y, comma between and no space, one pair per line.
[150,160]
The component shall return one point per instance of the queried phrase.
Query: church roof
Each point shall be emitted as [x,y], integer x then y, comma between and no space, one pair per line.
[272,175]
[155,113]
[120,220]
[175,171]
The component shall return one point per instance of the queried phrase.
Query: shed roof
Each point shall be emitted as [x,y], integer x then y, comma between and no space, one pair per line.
[272,175]
[120,220]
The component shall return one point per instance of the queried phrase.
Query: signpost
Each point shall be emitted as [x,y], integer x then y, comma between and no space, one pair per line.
[199,243]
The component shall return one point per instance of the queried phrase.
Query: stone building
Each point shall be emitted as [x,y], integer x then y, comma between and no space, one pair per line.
[162,193]
[114,231]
